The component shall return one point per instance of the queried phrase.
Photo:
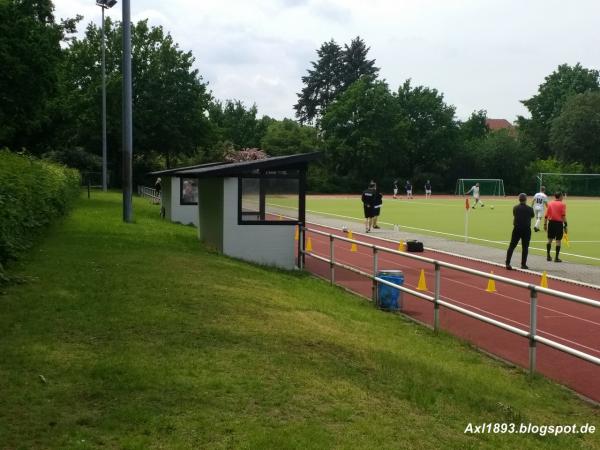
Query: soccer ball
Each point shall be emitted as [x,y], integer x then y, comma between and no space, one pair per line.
[492,206]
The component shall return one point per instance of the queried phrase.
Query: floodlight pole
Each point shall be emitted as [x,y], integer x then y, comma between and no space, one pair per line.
[104,152]
[104,4]
[127,115]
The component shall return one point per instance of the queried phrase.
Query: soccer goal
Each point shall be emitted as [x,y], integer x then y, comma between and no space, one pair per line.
[487,186]
[582,184]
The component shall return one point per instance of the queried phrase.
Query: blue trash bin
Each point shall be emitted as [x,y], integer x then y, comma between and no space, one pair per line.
[390,298]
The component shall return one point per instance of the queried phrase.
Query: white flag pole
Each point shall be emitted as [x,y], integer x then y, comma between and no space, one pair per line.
[466,220]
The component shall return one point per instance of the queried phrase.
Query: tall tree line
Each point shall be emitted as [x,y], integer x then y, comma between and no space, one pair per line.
[50,92]
[50,95]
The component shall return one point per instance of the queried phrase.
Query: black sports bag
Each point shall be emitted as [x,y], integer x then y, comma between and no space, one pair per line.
[414,246]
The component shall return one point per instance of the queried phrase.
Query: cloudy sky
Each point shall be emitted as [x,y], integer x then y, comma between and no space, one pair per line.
[481,54]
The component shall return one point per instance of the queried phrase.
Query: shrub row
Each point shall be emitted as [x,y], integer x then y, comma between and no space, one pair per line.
[33,193]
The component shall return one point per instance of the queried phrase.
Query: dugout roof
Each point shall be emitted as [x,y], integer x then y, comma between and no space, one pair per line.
[232,169]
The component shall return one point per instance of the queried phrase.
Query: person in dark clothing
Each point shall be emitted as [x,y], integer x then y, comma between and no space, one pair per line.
[368,200]
[377,202]
[408,188]
[428,189]
[158,188]
[522,213]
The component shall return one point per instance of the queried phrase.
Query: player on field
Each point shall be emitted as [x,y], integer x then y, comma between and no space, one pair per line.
[408,188]
[396,184]
[427,189]
[539,203]
[475,191]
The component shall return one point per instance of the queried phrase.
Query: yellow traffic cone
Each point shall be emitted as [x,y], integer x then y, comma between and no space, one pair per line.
[544,281]
[401,246]
[422,285]
[491,287]
[309,245]
[353,247]
[297,234]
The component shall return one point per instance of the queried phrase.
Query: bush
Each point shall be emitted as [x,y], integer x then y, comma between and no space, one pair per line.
[32,194]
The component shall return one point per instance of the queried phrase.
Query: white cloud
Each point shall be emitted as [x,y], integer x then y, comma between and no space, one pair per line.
[480,55]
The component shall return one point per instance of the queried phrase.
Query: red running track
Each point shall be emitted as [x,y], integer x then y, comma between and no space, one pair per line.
[571,324]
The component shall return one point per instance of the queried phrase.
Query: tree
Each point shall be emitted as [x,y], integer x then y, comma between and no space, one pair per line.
[322,83]
[432,132]
[334,72]
[30,55]
[501,155]
[169,103]
[287,137]
[548,103]
[234,123]
[364,136]
[171,97]
[575,134]
[356,64]
[475,127]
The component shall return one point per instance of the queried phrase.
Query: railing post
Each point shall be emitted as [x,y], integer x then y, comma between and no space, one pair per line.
[301,232]
[532,331]
[436,298]
[375,269]
[331,255]
[303,246]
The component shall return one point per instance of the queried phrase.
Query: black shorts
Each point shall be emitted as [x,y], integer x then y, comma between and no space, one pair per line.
[555,230]
[376,211]
[368,211]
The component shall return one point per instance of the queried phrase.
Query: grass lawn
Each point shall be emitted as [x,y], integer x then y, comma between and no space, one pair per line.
[134,336]
[445,217]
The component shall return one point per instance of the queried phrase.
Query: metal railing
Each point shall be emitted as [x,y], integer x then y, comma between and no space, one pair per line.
[532,289]
[147,192]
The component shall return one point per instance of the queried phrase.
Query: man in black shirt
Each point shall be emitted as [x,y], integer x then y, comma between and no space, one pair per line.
[368,200]
[377,202]
[428,189]
[522,213]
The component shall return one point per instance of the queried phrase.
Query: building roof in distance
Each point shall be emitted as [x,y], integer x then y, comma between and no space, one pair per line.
[498,124]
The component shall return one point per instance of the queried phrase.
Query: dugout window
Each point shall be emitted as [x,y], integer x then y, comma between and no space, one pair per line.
[188,191]
[269,197]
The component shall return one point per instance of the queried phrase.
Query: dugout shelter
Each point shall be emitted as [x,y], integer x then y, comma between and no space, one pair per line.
[247,210]
[179,195]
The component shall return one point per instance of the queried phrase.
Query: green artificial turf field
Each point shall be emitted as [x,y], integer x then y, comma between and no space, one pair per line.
[444,216]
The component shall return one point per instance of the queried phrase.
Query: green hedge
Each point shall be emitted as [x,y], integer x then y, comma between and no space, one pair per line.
[32,194]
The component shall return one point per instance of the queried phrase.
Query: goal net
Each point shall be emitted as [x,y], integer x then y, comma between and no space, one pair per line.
[487,186]
[581,184]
